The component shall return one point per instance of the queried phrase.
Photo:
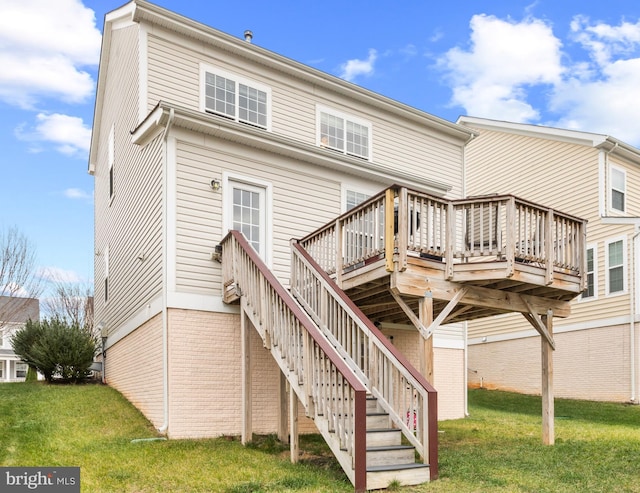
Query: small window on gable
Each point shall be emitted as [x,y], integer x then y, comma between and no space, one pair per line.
[236,98]
[344,133]
[618,189]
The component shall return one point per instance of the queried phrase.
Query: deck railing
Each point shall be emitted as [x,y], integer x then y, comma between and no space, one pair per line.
[330,391]
[405,222]
[400,389]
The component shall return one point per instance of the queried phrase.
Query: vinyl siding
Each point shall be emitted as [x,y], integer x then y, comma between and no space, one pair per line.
[129,224]
[556,174]
[199,209]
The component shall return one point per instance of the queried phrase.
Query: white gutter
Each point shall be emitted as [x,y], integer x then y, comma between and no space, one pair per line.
[165,322]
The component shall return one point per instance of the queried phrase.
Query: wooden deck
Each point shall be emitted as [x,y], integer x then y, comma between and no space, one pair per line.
[488,255]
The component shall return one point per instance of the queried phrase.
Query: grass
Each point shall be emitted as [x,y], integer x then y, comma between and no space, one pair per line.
[497,449]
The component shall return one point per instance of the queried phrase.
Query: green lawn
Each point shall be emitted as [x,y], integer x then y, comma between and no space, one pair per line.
[498,448]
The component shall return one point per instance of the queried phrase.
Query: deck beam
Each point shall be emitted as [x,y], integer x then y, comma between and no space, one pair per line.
[413,284]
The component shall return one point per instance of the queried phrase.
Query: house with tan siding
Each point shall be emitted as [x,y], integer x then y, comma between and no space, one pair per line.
[280,251]
[593,176]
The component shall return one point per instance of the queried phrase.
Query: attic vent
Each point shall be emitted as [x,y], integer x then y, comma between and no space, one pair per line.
[248,36]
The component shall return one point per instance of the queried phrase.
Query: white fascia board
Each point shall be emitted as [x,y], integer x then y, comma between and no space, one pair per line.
[147,12]
[207,124]
[564,135]
[116,19]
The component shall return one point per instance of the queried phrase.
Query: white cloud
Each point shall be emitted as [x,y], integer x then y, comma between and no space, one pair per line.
[504,58]
[353,68]
[69,134]
[44,49]
[77,194]
[509,64]
[56,274]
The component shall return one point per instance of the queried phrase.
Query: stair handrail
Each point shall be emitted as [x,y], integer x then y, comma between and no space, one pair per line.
[335,393]
[400,388]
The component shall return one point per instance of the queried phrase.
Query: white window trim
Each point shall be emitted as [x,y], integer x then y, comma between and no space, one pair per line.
[227,216]
[347,117]
[204,69]
[348,187]
[581,299]
[625,268]
[610,190]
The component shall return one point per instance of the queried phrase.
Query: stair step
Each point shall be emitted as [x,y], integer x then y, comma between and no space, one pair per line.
[379,477]
[372,405]
[390,455]
[384,437]
[377,420]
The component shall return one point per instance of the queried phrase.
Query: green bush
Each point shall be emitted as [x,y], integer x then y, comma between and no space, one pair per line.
[56,349]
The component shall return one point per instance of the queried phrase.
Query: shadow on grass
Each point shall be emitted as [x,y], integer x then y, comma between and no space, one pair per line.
[607,413]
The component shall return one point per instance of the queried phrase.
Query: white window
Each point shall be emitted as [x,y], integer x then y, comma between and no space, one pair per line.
[21,370]
[1,370]
[591,290]
[354,198]
[111,157]
[236,98]
[248,205]
[616,266]
[618,189]
[344,133]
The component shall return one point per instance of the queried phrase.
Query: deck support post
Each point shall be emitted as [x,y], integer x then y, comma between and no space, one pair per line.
[426,343]
[548,434]
[294,441]
[283,435]
[245,347]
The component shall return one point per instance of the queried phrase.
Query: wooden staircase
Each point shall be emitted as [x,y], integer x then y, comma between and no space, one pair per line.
[363,397]
[388,459]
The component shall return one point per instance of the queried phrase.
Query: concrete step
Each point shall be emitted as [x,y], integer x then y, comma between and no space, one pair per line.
[390,455]
[379,477]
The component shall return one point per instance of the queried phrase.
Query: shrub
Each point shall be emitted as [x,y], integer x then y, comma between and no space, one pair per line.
[56,349]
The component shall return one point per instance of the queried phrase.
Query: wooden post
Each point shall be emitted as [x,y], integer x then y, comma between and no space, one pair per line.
[294,443]
[426,344]
[245,344]
[548,436]
[283,434]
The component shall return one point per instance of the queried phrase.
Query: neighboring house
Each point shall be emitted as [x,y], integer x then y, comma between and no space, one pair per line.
[593,176]
[14,313]
[197,133]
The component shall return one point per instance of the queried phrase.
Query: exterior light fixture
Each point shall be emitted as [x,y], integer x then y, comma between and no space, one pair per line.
[215,185]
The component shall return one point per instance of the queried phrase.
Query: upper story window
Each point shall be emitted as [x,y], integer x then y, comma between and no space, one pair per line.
[618,189]
[344,133]
[236,98]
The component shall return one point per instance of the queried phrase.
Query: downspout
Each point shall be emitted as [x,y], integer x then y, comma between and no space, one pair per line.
[633,277]
[465,324]
[165,323]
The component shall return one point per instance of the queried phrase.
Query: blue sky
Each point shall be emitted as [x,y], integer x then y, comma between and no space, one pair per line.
[565,63]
